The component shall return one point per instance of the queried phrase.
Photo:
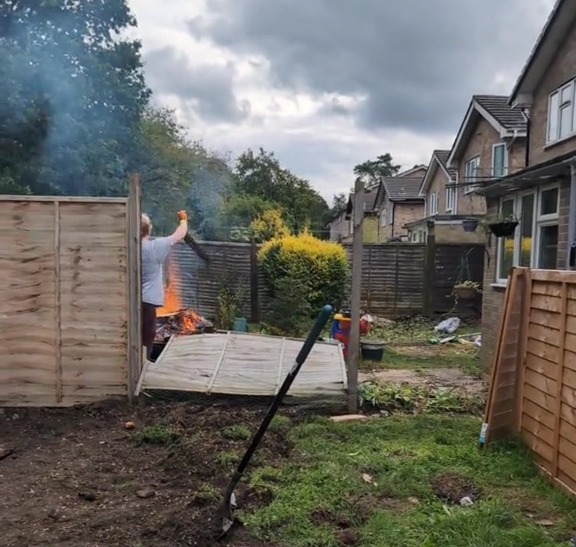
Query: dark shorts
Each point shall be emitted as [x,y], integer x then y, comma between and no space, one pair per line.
[148,326]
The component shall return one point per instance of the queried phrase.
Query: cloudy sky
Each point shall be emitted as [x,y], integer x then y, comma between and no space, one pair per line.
[327,84]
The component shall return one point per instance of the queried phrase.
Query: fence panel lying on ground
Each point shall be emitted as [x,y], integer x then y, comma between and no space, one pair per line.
[397,278]
[543,405]
[65,300]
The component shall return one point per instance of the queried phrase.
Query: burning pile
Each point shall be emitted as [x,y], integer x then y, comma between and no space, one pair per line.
[184,321]
[175,318]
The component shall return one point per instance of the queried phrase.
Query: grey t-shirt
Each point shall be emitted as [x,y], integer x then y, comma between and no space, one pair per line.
[154,254]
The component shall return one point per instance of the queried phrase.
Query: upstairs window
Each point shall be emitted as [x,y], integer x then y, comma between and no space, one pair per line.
[499,160]
[433,204]
[471,173]
[383,218]
[561,113]
[450,199]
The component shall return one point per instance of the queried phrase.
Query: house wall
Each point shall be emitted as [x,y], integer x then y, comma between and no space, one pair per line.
[340,228]
[371,227]
[438,184]
[403,213]
[560,71]
[493,298]
[483,138]
[454,233]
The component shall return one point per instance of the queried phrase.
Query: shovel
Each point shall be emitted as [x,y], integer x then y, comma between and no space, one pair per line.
[226,511]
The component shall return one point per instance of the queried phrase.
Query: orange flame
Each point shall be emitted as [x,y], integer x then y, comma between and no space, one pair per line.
[172,303]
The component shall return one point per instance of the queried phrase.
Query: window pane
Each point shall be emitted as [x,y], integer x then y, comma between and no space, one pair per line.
[548,254]
[553,117]
[506,257]
[566,94]
[526,223]
[499,160]
[565,121]
[506,245]
[549,202]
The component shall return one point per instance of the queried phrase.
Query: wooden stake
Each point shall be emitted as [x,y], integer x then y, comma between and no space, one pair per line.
[354,341]
[58,296]
[134,288]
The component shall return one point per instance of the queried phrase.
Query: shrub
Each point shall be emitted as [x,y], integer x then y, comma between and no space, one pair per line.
[269,225]
[319,268]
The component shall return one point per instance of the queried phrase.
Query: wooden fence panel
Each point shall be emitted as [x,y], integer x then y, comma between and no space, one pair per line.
[64,310]
[545,388]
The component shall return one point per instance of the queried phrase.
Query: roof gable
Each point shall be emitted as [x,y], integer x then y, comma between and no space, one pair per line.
[439,160]
[402,188]
[559,24]
[506,120]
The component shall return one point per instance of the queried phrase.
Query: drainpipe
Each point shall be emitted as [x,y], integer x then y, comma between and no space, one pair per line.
[528,126]
[571,258]
[393,217]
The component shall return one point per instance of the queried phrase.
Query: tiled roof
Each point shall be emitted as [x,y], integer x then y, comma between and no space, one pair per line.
[497,106]
[442,157]
[402,188]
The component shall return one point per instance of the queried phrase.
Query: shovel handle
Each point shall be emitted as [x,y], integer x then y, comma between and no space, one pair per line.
[301,357]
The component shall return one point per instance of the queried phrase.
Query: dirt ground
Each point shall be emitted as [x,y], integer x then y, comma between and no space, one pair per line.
[78,477]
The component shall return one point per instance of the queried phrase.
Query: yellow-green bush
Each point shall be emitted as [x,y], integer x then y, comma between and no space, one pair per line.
[319,268]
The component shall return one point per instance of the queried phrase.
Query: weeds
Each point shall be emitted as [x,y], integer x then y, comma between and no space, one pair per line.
[156,434]
[415,398]
[236,433]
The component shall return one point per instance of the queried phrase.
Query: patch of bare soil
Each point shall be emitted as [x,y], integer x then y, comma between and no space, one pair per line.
[437,377]
[78,477]
[452,488]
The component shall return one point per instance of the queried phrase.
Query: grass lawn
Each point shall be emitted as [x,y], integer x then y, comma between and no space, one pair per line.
[397,481]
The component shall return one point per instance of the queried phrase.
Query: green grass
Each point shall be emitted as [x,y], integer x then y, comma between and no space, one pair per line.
[370,484]
[450,357]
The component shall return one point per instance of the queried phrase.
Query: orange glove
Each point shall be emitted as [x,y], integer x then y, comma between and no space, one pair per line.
[182,215]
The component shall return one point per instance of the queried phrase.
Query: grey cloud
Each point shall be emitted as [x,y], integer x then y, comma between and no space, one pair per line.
[417,62]
[209,87]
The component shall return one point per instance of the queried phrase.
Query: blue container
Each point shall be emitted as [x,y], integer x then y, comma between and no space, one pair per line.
[240,324]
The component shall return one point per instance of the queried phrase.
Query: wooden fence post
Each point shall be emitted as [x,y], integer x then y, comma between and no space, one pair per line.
[254,296]
[429,274]
[356,296]
[135,351]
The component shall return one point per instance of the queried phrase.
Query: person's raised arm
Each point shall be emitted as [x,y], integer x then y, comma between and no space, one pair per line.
[182,229]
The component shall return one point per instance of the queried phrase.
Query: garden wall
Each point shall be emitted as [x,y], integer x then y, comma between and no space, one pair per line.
[70,328]
[397,279]
[533,387]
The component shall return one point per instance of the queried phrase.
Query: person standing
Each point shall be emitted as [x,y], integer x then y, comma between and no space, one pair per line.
[155,252]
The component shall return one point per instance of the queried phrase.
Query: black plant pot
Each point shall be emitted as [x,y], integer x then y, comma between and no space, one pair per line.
[503,229]
[372,351]
[470,224]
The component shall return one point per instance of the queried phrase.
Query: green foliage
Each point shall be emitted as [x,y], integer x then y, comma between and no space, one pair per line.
[303,273]
[261,183]
[72,95]
[229,308]
[413,398]
[268,225]
[236,433]
[157,434]
[372,171]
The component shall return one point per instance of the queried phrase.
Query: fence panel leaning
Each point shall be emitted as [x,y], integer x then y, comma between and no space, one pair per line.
[538,399]
[64,312]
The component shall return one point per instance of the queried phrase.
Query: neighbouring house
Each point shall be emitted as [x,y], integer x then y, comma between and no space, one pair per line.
[342,227]
[398,202]
[542,195]
[442,208]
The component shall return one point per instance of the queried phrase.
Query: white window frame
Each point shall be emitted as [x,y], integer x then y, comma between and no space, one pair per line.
[538,222]
[450,199]
[555,111]
[383,218]
[471,177]
[432,204]
[506,159]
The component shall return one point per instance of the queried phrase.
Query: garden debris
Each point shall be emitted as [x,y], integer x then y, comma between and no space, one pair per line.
[368,479]
[146,493]
[454,488]
[348,418]
[448,326]
[87,496]
[129,425]
[466,501]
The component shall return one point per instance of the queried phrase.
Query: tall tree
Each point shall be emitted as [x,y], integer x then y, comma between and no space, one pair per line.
[372,171]
[260,175]
[73,95]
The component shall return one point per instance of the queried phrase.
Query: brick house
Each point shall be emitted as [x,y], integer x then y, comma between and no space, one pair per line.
[398,202]
[542,195]
[441,205]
